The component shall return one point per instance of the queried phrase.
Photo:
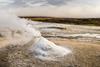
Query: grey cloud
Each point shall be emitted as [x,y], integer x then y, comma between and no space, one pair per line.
[26,3]
[62,8]
[23,3]
[57,2]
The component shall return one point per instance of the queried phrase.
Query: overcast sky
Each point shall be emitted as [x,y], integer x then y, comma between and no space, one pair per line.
[57,8]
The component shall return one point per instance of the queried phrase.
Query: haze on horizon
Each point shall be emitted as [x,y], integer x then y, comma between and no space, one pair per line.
[53,8]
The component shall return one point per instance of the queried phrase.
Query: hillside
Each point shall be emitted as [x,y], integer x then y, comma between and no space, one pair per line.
[79,21]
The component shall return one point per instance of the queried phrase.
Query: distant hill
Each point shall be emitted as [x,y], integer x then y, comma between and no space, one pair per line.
[79,21]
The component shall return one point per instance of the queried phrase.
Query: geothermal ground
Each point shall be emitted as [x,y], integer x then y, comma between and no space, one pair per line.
[83,40]
[79,33]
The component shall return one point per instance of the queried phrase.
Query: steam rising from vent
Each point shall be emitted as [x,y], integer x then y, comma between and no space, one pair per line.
[15,29]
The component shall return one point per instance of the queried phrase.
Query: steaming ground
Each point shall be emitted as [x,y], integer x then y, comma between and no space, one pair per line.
[19,38]
[21,45]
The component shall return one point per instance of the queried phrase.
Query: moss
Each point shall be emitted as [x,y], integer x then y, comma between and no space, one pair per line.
[40,19]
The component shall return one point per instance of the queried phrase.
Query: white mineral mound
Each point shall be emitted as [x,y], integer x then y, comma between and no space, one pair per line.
[17,31]
[47,50]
